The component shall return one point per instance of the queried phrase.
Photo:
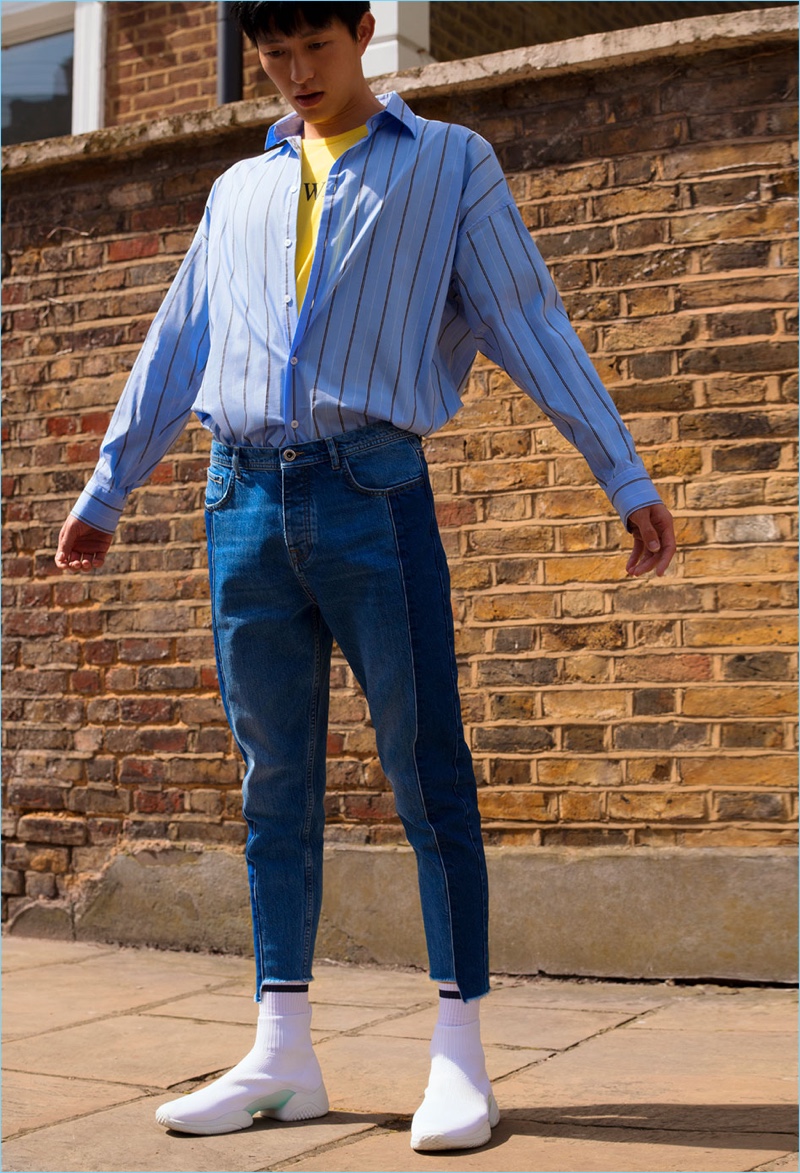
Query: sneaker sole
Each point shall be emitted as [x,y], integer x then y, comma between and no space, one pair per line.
[432,1142]
[285,1105]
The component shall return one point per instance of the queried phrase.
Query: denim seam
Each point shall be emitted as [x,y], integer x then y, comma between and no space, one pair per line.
[416,732]
[212,548]
[309,864]
[458,724]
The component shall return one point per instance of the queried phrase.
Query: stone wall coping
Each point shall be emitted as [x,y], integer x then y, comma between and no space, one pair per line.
[612,50]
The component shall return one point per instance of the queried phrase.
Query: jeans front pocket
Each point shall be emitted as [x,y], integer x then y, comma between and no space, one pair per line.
[386,468]
[219,487]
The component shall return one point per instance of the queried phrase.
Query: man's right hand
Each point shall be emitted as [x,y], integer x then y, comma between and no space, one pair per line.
[81,546]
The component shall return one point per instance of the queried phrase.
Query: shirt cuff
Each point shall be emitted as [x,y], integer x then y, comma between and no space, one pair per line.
[635,492]
[99,507]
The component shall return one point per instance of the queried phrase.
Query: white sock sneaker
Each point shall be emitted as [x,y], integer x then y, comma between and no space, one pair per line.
[459,1110]
[280,1077]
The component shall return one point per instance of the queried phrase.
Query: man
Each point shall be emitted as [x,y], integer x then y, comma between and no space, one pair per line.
[326,316]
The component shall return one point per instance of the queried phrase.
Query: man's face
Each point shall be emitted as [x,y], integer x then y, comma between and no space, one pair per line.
[318,71]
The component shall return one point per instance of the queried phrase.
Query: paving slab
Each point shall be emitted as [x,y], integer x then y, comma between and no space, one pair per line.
[390,1074]
[552,1029]
[642,1066]
[31,953]
[588,995]
[730,1014]
[126,1139]
[35,1101]
[133,1049]
[519,1147]
[65,994]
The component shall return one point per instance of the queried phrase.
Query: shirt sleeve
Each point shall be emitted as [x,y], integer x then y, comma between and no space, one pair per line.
[518,319]
[158,396]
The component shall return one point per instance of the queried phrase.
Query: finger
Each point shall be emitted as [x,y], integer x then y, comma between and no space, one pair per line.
[636,553]
[667,552]
[646,563]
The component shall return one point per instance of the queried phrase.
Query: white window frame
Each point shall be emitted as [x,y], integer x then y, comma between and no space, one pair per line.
[25,21]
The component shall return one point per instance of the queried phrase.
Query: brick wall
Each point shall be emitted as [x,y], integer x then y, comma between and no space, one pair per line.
[466,30]
[161,59]
[600,711]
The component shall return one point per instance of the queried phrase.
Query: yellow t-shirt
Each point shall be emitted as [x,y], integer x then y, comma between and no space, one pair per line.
[318,156]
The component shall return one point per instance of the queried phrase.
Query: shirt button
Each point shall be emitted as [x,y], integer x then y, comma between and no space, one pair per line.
[293,361]
[294,424]
[288,243]
[288,299]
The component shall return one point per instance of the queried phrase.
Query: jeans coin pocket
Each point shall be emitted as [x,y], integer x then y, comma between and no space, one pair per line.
[219,487]
[386,468]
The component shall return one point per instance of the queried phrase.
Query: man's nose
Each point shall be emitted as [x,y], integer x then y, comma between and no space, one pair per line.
[302,68]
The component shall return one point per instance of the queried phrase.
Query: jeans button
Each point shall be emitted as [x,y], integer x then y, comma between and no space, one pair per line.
[290,455]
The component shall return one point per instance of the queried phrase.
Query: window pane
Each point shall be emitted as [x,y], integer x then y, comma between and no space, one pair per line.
[37,89]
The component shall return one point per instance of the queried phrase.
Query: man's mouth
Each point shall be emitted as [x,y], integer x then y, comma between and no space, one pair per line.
[309,99]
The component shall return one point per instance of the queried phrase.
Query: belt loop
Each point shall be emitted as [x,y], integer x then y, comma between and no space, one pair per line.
[333,451]
[236,469]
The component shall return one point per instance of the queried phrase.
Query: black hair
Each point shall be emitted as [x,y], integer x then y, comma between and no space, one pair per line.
[262,19]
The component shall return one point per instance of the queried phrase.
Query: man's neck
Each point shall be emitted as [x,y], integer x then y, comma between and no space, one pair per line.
[355,115]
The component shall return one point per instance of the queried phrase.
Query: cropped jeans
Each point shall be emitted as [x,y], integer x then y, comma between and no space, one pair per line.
[337,540]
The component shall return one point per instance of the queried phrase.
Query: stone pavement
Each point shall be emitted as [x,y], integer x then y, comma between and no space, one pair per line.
[589,1075]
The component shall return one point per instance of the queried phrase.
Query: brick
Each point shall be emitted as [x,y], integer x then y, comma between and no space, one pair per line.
[516,605]
[751,773]
[598,704]
[515,805]
[584,738]
[13,882]
[734,631]
[46,829]
[758,666]
[40,884]
[37,796]
[631,804]
[753,807]
[511,739]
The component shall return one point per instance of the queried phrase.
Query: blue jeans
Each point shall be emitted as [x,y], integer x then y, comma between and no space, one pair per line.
[337,540]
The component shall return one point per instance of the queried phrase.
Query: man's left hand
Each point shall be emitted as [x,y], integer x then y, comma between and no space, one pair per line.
[653,540]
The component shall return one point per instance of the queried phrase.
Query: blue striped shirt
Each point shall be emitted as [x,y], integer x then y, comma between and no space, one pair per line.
[422,259]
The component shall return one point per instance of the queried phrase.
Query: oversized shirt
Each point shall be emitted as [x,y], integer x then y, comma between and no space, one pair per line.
[422,258]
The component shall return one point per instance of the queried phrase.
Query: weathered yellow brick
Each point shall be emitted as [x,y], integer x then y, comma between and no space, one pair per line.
[572,503]
[581,806]
[602,772]
[740,562]
[738,632]
[756,771]
[595,704]
[742,701]
[511,539]
[500,475]
[584,568]
[517,605]
[631,804]
[517,805]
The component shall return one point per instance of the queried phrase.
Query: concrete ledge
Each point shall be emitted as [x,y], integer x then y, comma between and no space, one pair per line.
[613,50]
[693,913]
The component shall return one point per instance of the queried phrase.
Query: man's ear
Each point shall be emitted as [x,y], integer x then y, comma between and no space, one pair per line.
[365,32]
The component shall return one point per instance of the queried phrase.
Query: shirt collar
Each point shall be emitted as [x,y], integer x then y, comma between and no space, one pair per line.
[394,108]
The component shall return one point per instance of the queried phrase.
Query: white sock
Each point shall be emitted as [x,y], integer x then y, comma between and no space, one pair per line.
[458,1110]
[280,1076]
